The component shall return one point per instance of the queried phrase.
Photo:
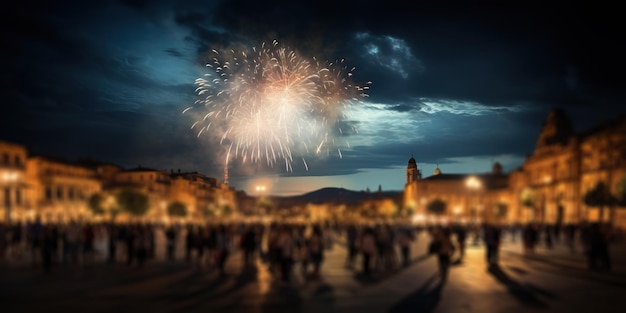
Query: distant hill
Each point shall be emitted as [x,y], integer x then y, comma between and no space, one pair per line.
[339,195]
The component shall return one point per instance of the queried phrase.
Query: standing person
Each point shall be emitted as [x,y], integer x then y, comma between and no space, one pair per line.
[351,240]
[285,245]
[170,237]
[112,243]
[444,252]
[529,238]
[302,245]
[404,240]
[598,255]
[142,244]
[48,245]
[492,243]
[190,238]
[549,232]
[248,245]
[316,250]
[130,238]
[461,237]
[35,235]
[88,240]
[222,242]
[368,248]
[16,241]
[273,248]
[71,242]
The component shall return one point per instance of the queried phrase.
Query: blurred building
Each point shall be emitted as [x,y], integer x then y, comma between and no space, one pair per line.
[550,186]
[59,190]
[13,181]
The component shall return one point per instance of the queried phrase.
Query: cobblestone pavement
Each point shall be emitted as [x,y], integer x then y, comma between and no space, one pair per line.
[549,281]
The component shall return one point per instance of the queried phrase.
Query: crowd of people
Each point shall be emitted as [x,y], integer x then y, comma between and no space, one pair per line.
[283,247]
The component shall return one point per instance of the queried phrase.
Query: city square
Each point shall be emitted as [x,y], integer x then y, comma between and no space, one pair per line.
[312,156]
[553,280]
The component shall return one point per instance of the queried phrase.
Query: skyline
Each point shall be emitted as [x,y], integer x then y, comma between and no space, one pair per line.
[460,86]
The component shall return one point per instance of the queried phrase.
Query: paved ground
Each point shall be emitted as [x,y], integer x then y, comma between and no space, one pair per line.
[551,281]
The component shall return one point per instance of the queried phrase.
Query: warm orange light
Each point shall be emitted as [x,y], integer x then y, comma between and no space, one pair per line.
[473,182]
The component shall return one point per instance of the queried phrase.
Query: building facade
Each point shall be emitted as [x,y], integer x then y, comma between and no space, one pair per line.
[13,181]
[549,187]
[56,190]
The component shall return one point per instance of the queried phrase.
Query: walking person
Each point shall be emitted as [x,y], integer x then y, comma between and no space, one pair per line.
[222,243]
[351,240]
[492,244]
[316,250]
[285,248]
[368,249]
[48,245]
[461,236]
[170,237]
[404,240]
[248,245]
[445,250]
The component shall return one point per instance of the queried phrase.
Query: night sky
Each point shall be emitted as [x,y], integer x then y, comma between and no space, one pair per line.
[457,84]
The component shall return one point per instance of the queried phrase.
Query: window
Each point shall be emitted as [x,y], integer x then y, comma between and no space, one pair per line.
[70,193]
[18,160]
[18,197]
[59,193]
[48,193]
[7,196]
[5,158]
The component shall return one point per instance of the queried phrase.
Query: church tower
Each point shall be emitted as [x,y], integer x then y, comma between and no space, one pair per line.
[412,172]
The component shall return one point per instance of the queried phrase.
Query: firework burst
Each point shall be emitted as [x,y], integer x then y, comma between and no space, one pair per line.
[270,104]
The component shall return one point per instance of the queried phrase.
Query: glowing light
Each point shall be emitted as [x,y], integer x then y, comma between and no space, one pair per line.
[473,182]
[269,104]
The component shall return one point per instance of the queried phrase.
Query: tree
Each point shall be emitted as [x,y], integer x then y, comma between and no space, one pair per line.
[437,206]
[133,202]
[599,196]
[177,209]
[96,204]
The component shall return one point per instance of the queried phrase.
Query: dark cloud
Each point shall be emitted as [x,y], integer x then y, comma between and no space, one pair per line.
[110,79]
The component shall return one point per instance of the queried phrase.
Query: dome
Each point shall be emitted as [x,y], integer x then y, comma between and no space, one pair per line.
[437,171]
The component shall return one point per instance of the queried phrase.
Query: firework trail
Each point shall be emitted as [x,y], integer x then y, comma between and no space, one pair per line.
[270,104]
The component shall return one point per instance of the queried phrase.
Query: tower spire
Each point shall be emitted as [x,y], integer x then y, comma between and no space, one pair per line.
[226,174]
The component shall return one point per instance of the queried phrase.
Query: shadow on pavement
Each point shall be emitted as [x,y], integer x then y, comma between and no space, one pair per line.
[526,296]
[615,279]
[424,300]
[378,276]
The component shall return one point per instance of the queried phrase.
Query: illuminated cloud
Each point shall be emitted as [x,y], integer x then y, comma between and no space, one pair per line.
[389,52]
[376,122]
[432,106]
